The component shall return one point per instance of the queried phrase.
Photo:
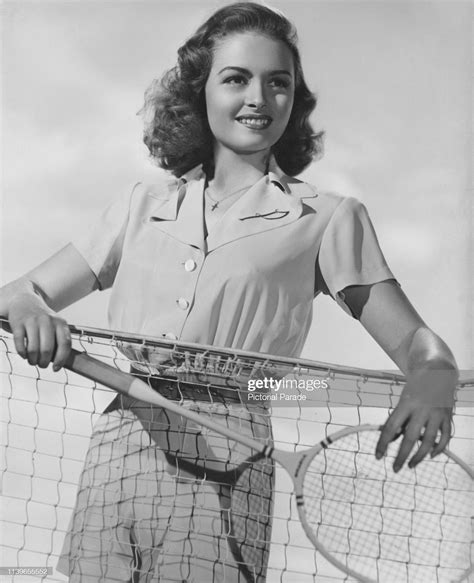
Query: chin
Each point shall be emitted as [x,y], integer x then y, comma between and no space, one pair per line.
[251,146]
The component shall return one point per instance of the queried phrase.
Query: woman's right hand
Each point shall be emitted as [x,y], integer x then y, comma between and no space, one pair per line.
[40,335]
[29,304]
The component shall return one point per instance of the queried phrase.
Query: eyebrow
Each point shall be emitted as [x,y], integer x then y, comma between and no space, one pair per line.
[247,72]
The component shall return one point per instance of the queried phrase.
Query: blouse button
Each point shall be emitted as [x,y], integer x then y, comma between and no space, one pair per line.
[182,303]
[190,265]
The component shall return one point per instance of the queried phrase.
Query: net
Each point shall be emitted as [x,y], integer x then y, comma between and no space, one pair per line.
[80,483]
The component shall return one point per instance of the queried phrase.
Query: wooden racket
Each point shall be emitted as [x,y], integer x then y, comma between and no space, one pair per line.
[373,524]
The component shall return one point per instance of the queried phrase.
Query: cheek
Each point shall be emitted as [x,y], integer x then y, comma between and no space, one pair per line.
[285,105]
[287,102]
[219,103]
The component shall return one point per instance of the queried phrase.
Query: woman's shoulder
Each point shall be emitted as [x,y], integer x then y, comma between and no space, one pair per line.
[162,185]
[321,200]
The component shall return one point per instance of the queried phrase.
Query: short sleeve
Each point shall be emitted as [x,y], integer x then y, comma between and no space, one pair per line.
[350,253]
[101,244]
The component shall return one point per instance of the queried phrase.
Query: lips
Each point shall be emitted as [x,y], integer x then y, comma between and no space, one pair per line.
[255,122]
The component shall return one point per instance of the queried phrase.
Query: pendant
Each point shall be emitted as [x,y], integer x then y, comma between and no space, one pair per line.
[214,206]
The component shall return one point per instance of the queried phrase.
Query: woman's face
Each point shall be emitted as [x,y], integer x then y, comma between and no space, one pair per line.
[249,92]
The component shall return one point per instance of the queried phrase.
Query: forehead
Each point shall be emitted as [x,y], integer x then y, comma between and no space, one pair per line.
[252,51]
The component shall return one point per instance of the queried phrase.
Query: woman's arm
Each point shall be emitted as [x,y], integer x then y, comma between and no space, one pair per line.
[30,304]
[425,406]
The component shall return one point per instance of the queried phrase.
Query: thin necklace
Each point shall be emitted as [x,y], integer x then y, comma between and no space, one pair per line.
[218,202]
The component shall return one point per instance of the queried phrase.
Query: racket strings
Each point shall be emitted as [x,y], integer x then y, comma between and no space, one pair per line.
[411,526]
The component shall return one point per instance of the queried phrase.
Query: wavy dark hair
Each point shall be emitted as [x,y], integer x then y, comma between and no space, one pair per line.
[177,131]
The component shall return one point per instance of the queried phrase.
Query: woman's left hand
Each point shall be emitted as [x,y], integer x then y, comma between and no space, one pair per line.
[423,415]
[426,404]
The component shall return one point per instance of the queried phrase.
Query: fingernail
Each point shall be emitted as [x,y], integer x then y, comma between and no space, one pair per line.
[378,455]
[396,468]
[55,368]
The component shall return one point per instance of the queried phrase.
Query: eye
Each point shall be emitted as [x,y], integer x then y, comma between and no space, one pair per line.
[280,83]
[235,80]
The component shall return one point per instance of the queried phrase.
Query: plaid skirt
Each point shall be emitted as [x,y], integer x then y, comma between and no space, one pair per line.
[163,499]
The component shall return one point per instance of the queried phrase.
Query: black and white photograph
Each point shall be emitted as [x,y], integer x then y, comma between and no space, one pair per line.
[236,298]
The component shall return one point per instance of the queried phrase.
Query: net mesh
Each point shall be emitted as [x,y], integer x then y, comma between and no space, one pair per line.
[90,486]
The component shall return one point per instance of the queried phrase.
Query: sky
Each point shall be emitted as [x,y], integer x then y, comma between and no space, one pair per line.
[394,88]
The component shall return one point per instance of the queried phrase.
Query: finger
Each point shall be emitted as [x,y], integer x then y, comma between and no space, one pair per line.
[32,343]
[63,343]
[411,436]
[19,339]
[391,430]
[47,342]
[446,428]
[429,440]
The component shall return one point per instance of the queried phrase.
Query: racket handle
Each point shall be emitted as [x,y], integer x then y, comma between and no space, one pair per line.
[96,370]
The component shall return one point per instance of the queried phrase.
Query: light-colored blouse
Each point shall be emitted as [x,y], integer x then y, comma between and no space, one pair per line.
[251,283]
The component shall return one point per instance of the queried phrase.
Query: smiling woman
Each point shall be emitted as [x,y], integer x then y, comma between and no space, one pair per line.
[228,250]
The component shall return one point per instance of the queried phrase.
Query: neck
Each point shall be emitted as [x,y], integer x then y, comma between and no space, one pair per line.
[232,170]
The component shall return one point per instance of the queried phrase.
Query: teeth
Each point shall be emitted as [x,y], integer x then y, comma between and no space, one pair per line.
[254,122]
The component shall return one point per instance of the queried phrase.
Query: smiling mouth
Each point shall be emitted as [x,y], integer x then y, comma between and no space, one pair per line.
[260,122]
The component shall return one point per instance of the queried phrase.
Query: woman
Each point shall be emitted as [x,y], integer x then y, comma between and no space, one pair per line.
[230,251]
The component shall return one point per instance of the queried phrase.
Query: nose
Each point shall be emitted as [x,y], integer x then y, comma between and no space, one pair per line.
[255,97]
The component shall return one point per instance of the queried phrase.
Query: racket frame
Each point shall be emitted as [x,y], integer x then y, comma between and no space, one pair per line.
[297,464]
